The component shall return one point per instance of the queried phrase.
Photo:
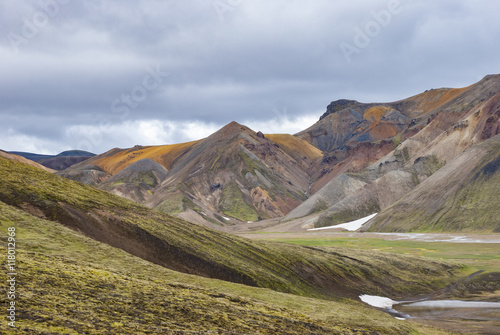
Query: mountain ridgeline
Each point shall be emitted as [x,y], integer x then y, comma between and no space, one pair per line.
[60,161]
[358,159]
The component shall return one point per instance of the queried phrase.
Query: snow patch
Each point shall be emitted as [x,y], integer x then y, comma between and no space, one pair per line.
[350,226]
[376,301]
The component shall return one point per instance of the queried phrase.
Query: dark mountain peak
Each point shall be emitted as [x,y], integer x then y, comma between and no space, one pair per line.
[338,105]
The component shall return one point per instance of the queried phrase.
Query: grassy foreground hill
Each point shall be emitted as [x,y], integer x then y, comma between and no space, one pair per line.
[70,283]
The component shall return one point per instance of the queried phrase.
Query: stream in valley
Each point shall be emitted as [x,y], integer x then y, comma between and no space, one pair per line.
[468,316]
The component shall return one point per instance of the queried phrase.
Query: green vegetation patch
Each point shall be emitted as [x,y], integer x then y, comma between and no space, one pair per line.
[172,204]
[251,165]
[476,256]
[476,207]
[176,203]
[145,177]
[234,203]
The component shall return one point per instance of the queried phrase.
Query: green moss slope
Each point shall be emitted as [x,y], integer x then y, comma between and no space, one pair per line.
[71,284]
[234,204]
[48,252]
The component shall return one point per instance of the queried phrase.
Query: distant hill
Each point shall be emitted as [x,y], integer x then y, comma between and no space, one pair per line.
[60,161]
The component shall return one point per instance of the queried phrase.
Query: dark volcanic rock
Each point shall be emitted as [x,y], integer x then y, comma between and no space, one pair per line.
[338,105]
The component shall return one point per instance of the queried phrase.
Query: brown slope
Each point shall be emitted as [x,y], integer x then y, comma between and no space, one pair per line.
[429,101]
[347,123]
[415,160]
[358,122]
[237,173]
[354,137]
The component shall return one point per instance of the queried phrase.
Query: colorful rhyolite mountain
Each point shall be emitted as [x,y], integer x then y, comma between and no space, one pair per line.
[358,159]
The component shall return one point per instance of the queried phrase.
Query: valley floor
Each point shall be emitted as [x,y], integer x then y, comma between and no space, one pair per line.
[419,237]
[478,252]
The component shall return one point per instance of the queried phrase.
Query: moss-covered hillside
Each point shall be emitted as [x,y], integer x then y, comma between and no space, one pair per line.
[70,283]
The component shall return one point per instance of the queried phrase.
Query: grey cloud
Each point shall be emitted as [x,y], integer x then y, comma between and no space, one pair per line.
[262,56]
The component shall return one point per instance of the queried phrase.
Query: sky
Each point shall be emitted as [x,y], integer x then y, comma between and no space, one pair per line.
[94,75]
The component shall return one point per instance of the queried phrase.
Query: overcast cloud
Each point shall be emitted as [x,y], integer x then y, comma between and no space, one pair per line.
[94,75]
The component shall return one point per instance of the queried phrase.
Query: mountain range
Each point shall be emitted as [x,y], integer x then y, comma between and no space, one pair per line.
[117,243]
[358,159]
[60,161]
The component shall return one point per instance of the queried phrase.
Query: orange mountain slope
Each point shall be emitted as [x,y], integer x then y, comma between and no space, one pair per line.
[295,146]
[118,159]
[433,99]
